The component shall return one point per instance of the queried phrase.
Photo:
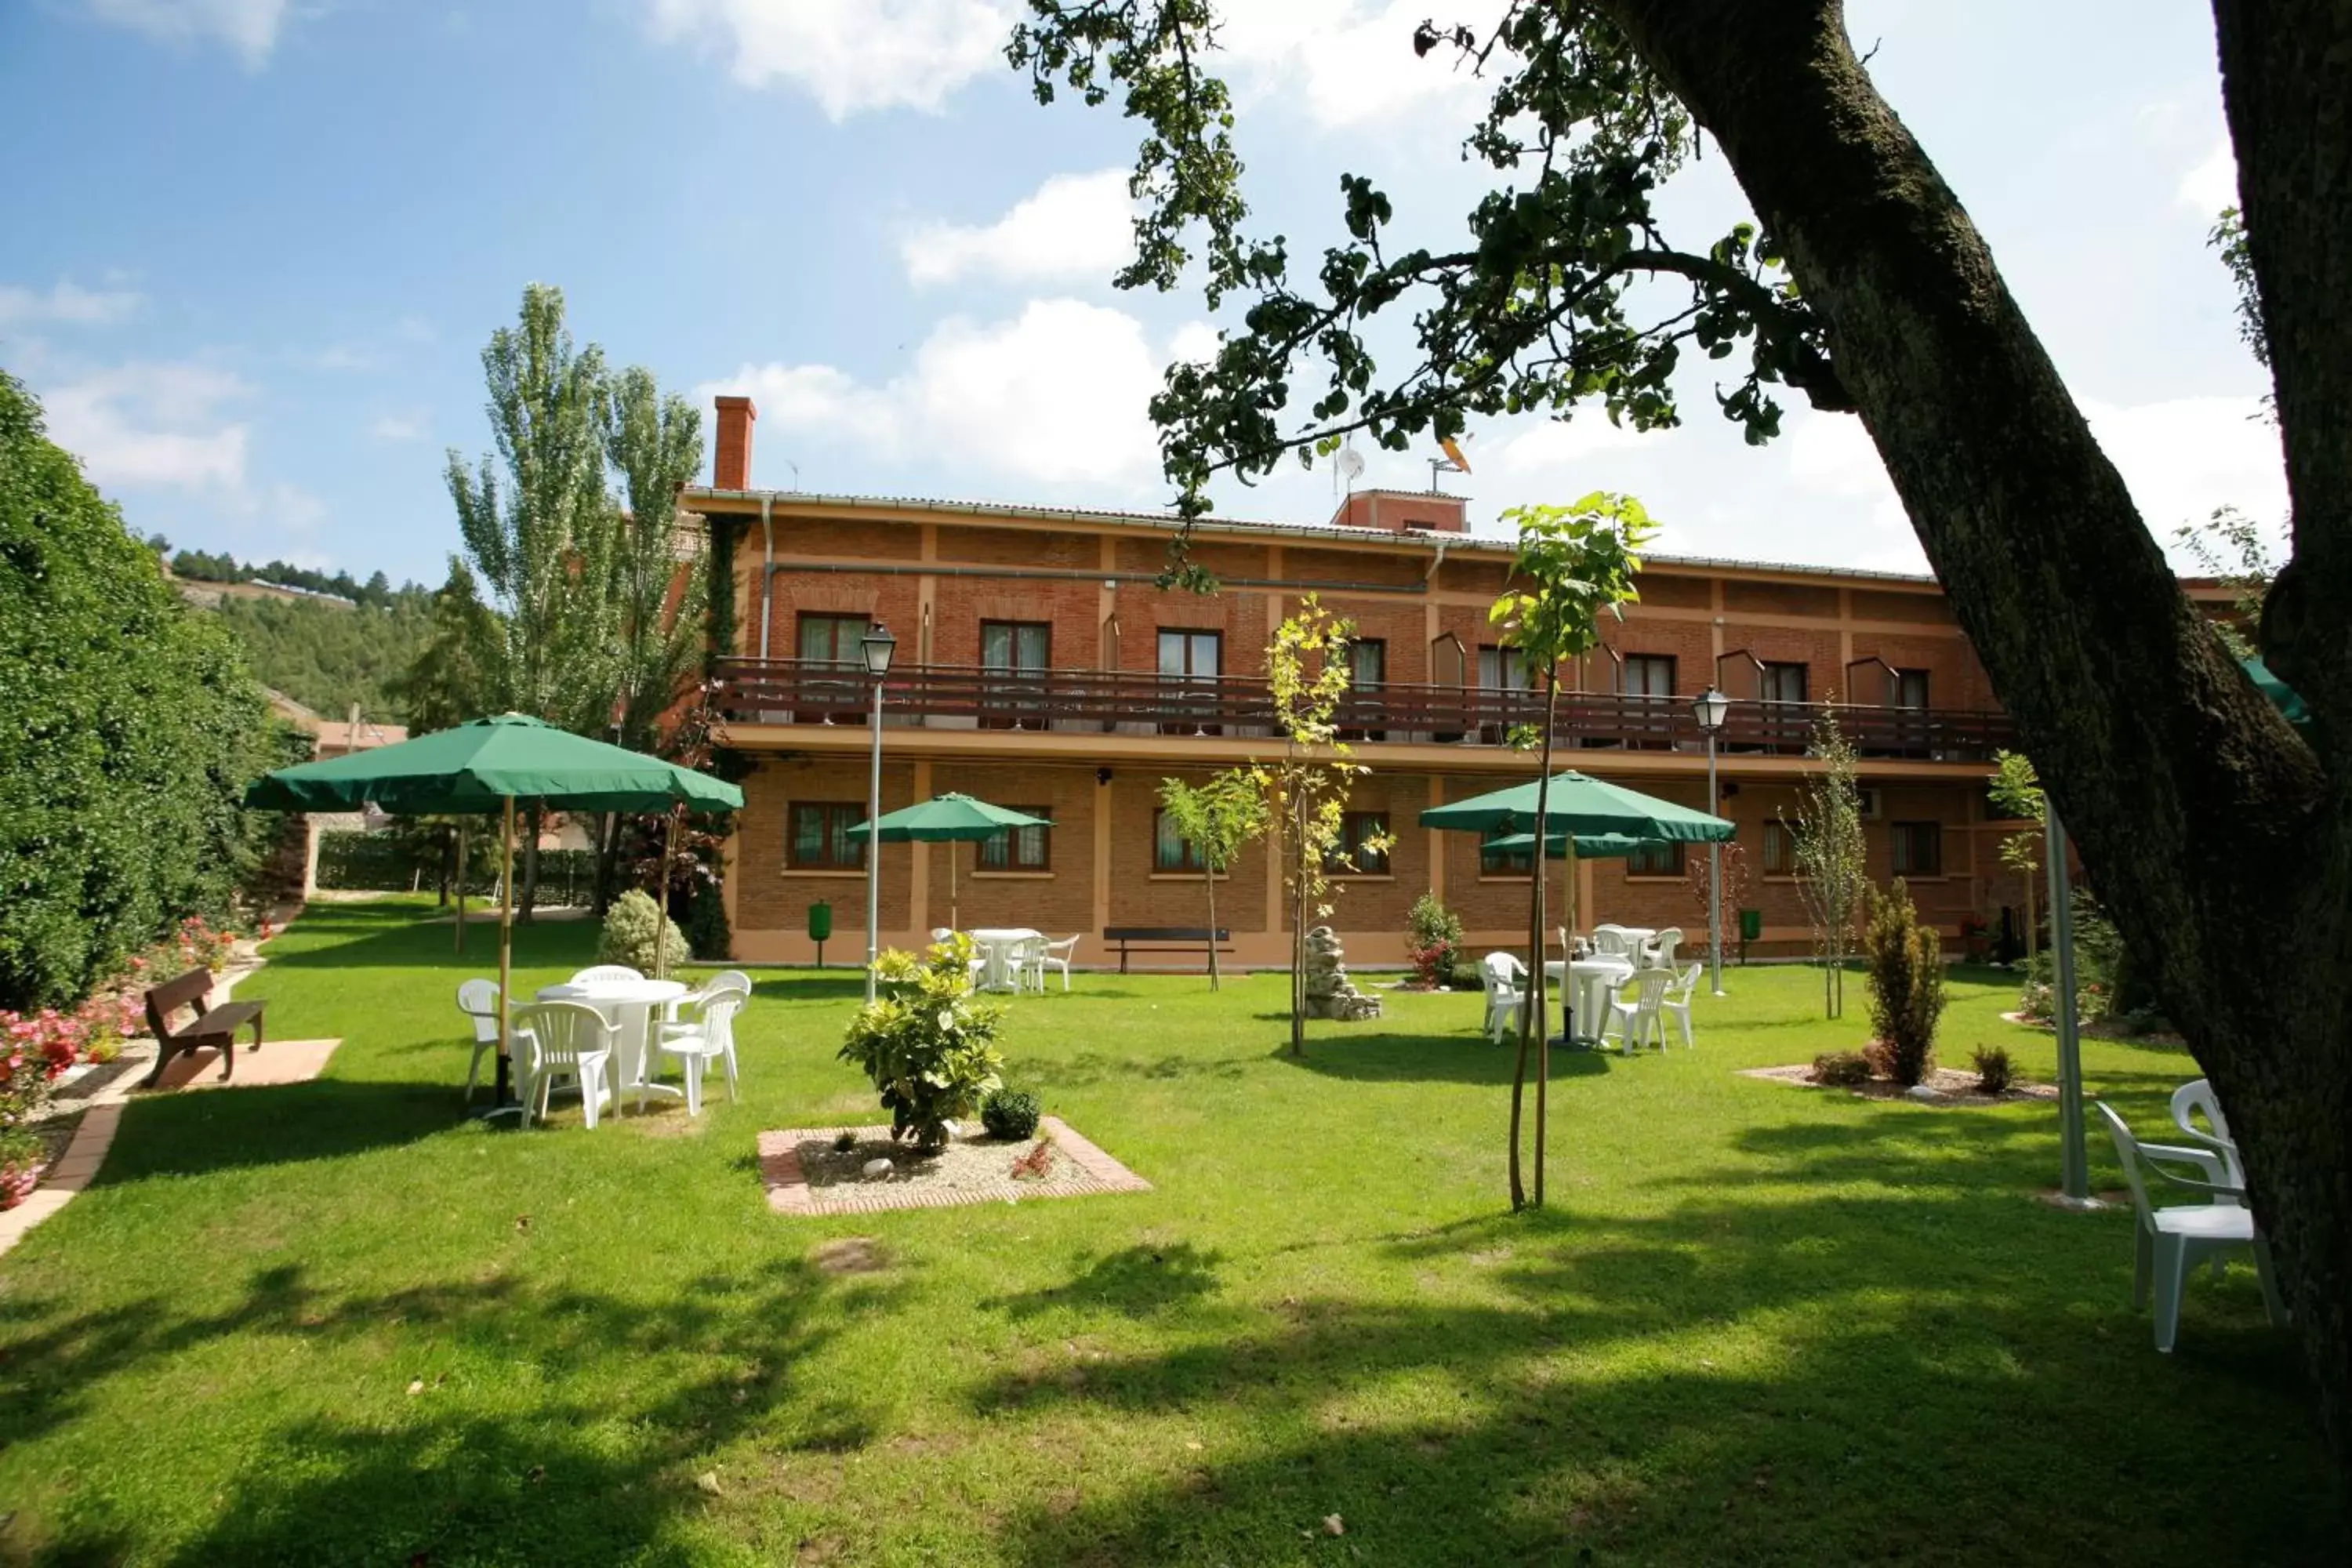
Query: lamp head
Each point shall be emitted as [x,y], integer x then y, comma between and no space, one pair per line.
[1710,708]
[878,644]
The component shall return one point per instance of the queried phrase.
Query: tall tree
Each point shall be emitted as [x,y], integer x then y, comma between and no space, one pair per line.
[2210,825]
[543,538]
[2015,790]
[1574,564]
[1833,867]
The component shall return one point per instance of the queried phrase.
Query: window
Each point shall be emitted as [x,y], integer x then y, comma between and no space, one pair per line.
[1350,856]
[1502,668]
[1170,851]
[1654,860]
[817,836]
[833,639]
[1911,688]
[1368,664]
[1918,848]
[1021,849]
[1780,850]
[1502,862]
[1649,675]
[1784,683]
[1190,658]
[1014,658]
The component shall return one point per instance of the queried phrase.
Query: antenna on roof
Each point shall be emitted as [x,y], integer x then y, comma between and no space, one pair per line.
[1453,462]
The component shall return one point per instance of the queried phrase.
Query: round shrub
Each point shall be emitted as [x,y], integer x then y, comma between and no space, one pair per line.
[1843,1069]
[1994,1069]
[1010,1113]
[633,927]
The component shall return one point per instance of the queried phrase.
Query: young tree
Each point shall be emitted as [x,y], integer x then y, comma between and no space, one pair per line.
[2017,791]
[2211,824]
[1574,564]
[1725,907]
[1215,817]
[1832,872]
[1306,791]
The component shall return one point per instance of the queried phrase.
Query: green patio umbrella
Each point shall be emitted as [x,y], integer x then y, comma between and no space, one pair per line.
[2287,699]
[951,819]
[486,765]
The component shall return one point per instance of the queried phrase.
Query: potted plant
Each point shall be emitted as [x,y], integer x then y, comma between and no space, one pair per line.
[927,1043]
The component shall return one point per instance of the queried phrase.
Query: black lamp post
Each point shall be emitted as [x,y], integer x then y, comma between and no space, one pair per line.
[876,646]
[1710,708]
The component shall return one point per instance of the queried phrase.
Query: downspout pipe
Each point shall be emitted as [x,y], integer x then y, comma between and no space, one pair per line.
[766,567]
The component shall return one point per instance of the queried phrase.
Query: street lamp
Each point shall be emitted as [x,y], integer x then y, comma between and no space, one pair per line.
[1710,708]
[878,644]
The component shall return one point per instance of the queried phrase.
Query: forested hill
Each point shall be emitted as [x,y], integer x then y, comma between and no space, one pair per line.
[348,644]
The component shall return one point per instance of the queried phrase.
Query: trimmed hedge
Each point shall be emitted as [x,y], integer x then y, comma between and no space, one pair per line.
[393,863]
[129,729]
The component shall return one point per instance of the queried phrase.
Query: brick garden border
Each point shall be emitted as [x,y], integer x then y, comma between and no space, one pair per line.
[789,1191]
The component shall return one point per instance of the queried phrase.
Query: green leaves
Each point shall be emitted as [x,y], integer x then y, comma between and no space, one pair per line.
[925,1042]
[1574,563]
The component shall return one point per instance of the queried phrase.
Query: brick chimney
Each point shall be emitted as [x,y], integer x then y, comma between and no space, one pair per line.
[1402,512]
[731,466]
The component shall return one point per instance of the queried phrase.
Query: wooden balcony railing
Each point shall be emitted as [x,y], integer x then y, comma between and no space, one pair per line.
[801,692]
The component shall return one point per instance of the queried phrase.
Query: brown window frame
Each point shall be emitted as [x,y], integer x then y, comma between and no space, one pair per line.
[1674,676]
[1781,837]
[1012,695]
[1504,862]
[795,812]
[1902,840]
[1677,865]
[1353,825]
[1009,844]
[1189,861]
[1926,690]
[1773,667]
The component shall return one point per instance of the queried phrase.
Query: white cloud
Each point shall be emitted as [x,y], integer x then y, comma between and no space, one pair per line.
[2212,184]
[66,301]
[345,356]
[1350,65]
[851,56]
[1053,395]
[406,424]
[2188,456]
[150,425]
[249,27]
[1074,225]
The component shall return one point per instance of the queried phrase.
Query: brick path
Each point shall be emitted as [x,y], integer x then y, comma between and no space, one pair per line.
[1085,1169]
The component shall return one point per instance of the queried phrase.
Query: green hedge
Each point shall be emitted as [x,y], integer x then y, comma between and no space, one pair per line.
[129,729]
[395,863]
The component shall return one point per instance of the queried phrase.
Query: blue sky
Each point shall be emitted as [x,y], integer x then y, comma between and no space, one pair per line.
[252,248]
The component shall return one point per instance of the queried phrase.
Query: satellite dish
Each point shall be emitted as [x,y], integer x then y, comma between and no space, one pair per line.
[1461,463]
[1351,464]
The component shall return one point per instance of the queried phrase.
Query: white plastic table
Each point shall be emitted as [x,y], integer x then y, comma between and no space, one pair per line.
[997,945]
[1637,936]
[626,1005]
[1595,981]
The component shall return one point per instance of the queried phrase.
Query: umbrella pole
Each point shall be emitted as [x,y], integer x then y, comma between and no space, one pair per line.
[506,949]
[955,914]
[461,884]
[661,894]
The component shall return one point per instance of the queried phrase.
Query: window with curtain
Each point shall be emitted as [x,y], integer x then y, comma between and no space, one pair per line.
[1502,862]
[1783,682]
[817,836]
[1917,848]
[1649,675]
[1656,860]
[1780,850]
[1020,849]
[1170,851]
[1358,828]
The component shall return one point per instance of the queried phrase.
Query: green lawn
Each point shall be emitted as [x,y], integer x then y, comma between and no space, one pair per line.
[338,1323]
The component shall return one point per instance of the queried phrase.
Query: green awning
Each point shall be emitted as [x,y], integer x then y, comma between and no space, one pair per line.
[478,766]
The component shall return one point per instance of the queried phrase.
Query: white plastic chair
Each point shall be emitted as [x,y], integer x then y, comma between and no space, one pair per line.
[1676,1003]
[710,1039]
[2189,1100]
[1611,941]
[1638,1022]
[2169,1242]
[1052,955]
[1658,952]
[602,972]
[478,999]
[941,934]
[562,1039]
[1506,979]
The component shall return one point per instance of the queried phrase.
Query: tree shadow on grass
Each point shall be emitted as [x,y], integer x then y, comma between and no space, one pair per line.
[434,1471]
[1820,1378]
[1135,1281]
[189,1133]
[1424,1059]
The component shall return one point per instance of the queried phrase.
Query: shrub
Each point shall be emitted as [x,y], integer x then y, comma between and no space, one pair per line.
[1906,983]
[1843,1069]
[1468,977]
[1994,1069]
[928,1045]
[630,934]
[705,924]
[1432,939]
[844,1142]
[1010,1113]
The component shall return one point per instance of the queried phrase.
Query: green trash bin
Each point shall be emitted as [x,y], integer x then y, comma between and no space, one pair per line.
[1751,927]
[820,926]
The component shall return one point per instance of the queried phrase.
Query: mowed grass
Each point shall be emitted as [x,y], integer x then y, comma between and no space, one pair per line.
[341,1324]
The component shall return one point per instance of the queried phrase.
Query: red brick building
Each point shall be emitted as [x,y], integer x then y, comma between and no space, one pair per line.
[1038,666]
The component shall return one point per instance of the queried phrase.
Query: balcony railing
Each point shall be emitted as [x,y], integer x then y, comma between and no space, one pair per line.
[957,696]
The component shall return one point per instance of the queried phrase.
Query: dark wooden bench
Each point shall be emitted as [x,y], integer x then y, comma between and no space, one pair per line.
[1166,939]
[216,1026]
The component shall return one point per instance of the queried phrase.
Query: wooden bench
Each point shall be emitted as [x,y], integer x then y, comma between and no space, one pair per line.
[214,1027]
[1166,939]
